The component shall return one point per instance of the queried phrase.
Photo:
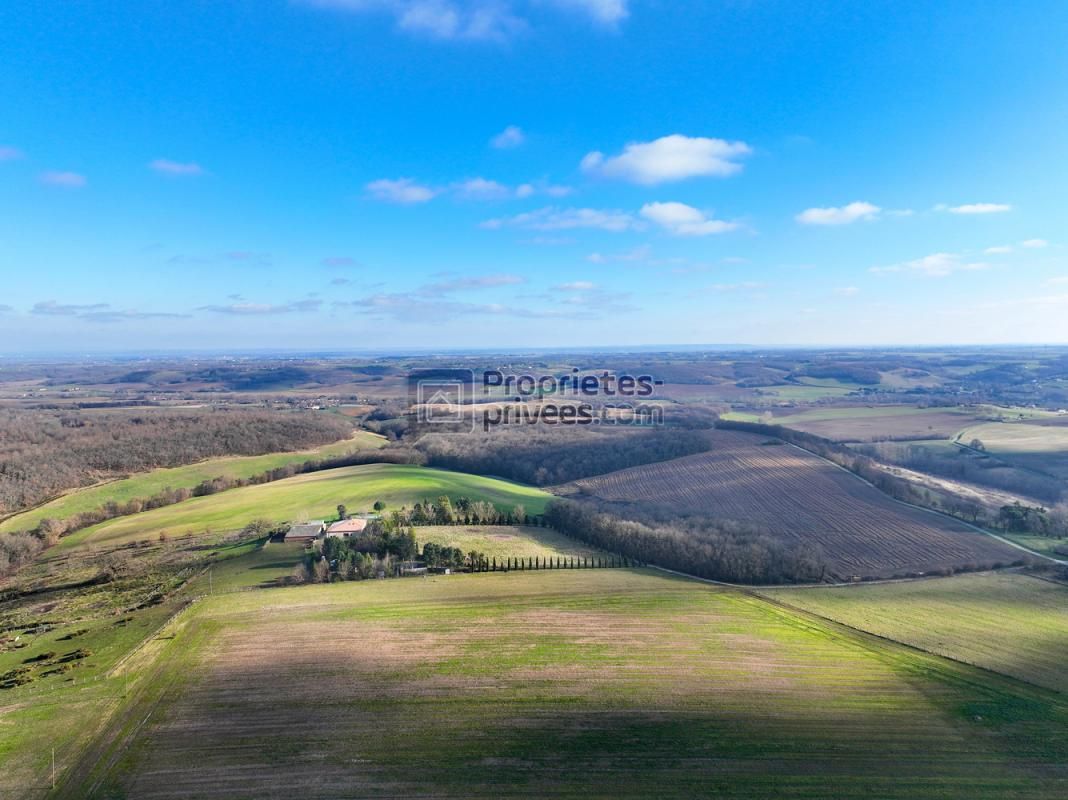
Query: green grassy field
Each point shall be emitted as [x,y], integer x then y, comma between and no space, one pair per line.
[149,483]
[1046,545]
[869,422]
[1039,447]
[827,414]
[504,541]
[805,392]
[315,495]
[1010,623]
[602,683]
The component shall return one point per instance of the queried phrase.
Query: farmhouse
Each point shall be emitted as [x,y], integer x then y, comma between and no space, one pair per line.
[305,531]
[346,527]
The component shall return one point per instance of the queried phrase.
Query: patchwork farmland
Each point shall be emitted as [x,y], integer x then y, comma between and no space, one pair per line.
[871,423]
[613,683]
[802,498]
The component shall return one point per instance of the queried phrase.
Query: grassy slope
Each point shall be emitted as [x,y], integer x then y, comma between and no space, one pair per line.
[150,483]
[1009,623]
[504,541]
[1040,544]
[1043,448]
[605,683]
[315,495]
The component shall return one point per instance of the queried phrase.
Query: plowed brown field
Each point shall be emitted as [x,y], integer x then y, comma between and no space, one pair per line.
[800,497]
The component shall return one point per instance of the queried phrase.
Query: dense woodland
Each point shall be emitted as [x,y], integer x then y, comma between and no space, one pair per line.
[707,548]
[44,452]
[547,455]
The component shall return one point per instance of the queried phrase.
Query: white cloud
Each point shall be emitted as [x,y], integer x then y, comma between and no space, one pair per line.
[670,158]
[473,20]
[842,215]
[409,191]
[8,153]
[244,309]
[1034,244]
[557,190]
[541,187]
[936,265]
[445,20]
[400,190]
[683,220]
[510,137]
[459,284]
[68,180]
[604,12]
[576,286]
[640,253]
[976,208]
[481,189]
[551,218]
[98,312]
[999,250]
[52,308]
[167,167]
[411,310]
[847,291]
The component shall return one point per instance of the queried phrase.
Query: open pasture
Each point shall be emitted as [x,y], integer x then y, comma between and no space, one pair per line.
[1041,447]
[606,683]
[147,484]
[800,497]
[1007,622]
[505,541]
[873,423]
[314,495]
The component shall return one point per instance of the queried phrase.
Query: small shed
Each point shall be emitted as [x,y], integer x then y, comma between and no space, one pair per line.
[305,531]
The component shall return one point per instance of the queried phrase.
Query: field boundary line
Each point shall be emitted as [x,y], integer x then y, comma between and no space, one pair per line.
[837,585]
[111,673]
[755,593]
[915,648]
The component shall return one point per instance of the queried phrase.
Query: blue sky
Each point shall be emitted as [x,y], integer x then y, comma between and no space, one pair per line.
[331,174]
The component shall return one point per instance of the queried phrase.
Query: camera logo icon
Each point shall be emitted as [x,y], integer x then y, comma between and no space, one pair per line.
[441,397]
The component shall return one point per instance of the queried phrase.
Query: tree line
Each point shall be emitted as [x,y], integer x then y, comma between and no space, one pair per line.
[548,455]
[714,549]
[46,452]
[385,549]
[1015,518]
[973,467]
